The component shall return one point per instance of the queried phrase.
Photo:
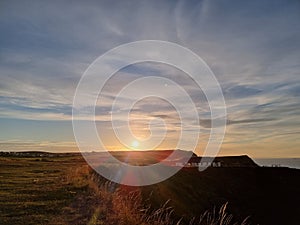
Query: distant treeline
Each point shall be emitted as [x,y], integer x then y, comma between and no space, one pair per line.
[37,154]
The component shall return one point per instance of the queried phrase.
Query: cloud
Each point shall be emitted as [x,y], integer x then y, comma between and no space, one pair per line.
[207,123]
[252,48]
[21,145]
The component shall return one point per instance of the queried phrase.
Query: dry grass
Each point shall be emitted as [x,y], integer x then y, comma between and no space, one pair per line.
[33,191]
[119,205]
[220,217]
[123,206]
[66,191]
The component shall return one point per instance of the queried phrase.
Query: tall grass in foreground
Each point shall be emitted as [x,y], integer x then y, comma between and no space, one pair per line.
[220,217]
[121,205]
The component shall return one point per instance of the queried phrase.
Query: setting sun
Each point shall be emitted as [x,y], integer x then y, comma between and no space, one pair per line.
[135,144]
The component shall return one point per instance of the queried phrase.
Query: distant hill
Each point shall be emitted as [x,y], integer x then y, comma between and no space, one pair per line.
[151,156]
[148,157]
[236,161]
[191,159]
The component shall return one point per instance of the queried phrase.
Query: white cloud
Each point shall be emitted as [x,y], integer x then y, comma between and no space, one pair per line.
[253,49]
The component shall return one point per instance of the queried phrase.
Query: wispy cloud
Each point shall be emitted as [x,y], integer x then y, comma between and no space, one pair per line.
[252,47]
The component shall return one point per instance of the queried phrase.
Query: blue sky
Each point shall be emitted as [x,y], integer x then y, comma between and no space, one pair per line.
[253,48]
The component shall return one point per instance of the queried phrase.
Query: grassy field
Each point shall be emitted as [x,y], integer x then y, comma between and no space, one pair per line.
[64,190]
[40,190]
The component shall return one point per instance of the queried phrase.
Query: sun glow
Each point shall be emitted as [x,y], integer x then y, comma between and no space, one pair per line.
[135,144]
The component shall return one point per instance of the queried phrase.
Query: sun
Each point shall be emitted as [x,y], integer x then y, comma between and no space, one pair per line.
[135,144]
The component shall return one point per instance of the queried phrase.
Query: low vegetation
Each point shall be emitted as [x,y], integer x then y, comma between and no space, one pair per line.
[126,206]
[64,190]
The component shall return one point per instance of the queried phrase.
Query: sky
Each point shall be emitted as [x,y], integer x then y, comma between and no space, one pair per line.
[252,47]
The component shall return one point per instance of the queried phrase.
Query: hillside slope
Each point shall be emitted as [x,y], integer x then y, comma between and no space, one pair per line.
[269,196]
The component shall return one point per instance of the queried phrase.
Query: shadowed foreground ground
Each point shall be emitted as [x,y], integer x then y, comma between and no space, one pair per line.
[63,190]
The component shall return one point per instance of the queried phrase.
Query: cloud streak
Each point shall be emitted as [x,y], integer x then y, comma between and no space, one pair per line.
[253,49]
